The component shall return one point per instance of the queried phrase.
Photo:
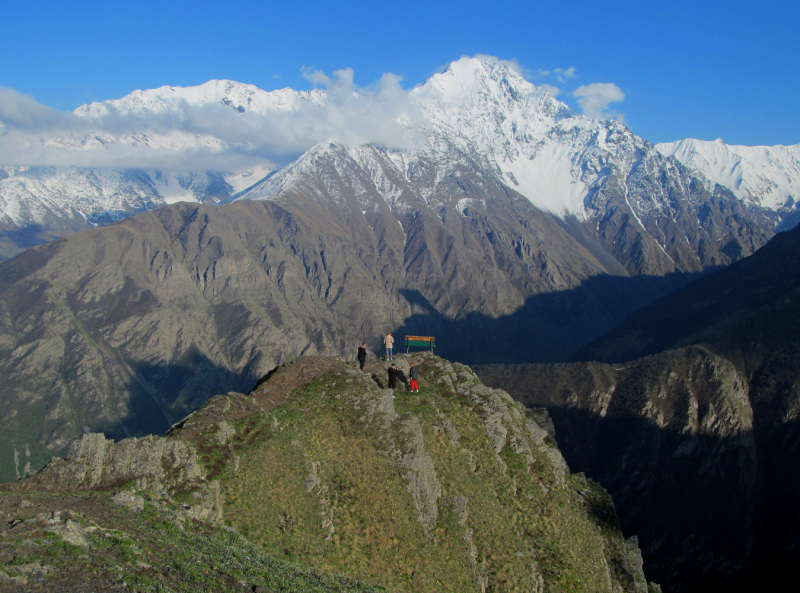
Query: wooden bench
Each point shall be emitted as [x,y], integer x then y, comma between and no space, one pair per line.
[420,342]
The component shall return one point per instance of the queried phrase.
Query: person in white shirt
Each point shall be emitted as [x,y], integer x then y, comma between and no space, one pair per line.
[389,342]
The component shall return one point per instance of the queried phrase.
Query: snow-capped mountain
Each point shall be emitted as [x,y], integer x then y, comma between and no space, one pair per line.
[477,115]
[765,176]
[647,211]
[39,204]
[244,98]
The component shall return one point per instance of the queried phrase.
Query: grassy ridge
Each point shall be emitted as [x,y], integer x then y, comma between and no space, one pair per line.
[456,488]
[313,484]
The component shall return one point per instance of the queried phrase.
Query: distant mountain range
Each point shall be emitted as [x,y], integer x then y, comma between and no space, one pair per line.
[764,176]
[479,114]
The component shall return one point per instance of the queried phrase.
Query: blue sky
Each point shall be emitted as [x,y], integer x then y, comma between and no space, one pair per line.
[687,69]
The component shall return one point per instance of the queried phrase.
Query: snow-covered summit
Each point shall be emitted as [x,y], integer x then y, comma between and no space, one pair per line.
[537,142]
[767,176]
[485,112]
[244,98]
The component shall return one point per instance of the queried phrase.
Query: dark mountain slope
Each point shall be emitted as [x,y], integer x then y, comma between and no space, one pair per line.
[698,445]
[755,299]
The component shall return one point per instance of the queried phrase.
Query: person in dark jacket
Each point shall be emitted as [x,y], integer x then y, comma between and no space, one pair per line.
[362,355]
[396,375]
[413,373]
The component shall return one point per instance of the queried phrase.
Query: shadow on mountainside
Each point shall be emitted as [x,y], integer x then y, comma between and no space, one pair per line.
[14,240]
[170,392]
[155,398]
[548,327]
[712,514]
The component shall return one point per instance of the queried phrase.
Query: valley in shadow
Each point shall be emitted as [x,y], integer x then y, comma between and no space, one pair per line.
[163,394]
[548,327]
[701,460]
[712,514]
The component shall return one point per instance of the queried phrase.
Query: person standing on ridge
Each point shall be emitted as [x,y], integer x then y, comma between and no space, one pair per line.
[362,355]
[413,373]
[389,341]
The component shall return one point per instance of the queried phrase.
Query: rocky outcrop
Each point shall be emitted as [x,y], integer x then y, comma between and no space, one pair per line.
[169,467]
[672,438]
[96,463]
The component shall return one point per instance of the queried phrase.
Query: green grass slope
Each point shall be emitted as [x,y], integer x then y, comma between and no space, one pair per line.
[454,488]
[90,542]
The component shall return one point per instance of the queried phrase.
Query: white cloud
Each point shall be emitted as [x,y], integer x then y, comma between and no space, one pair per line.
[214,136]
[316,77]
[189,137]
[553,91]
[595,98]
[564,75]
[22,111]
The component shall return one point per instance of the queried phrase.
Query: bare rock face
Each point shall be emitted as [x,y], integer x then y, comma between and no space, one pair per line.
[94,462]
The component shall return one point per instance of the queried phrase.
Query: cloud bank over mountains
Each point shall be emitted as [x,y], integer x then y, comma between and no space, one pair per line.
[33,134]
[216,136]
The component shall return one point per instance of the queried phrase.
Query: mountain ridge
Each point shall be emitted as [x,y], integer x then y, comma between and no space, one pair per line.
[476,111]
[455,488]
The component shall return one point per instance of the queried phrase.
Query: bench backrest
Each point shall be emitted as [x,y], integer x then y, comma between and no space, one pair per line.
[421,341]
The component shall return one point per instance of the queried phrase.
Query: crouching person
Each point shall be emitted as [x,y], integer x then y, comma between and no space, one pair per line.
[396,375]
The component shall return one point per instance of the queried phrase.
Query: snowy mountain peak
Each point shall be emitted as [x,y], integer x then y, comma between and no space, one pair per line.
[537,144]
[469,76]
[476,82]
[766,176]
[235,95]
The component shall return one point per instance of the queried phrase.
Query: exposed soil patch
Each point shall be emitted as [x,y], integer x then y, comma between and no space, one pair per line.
[276,387]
